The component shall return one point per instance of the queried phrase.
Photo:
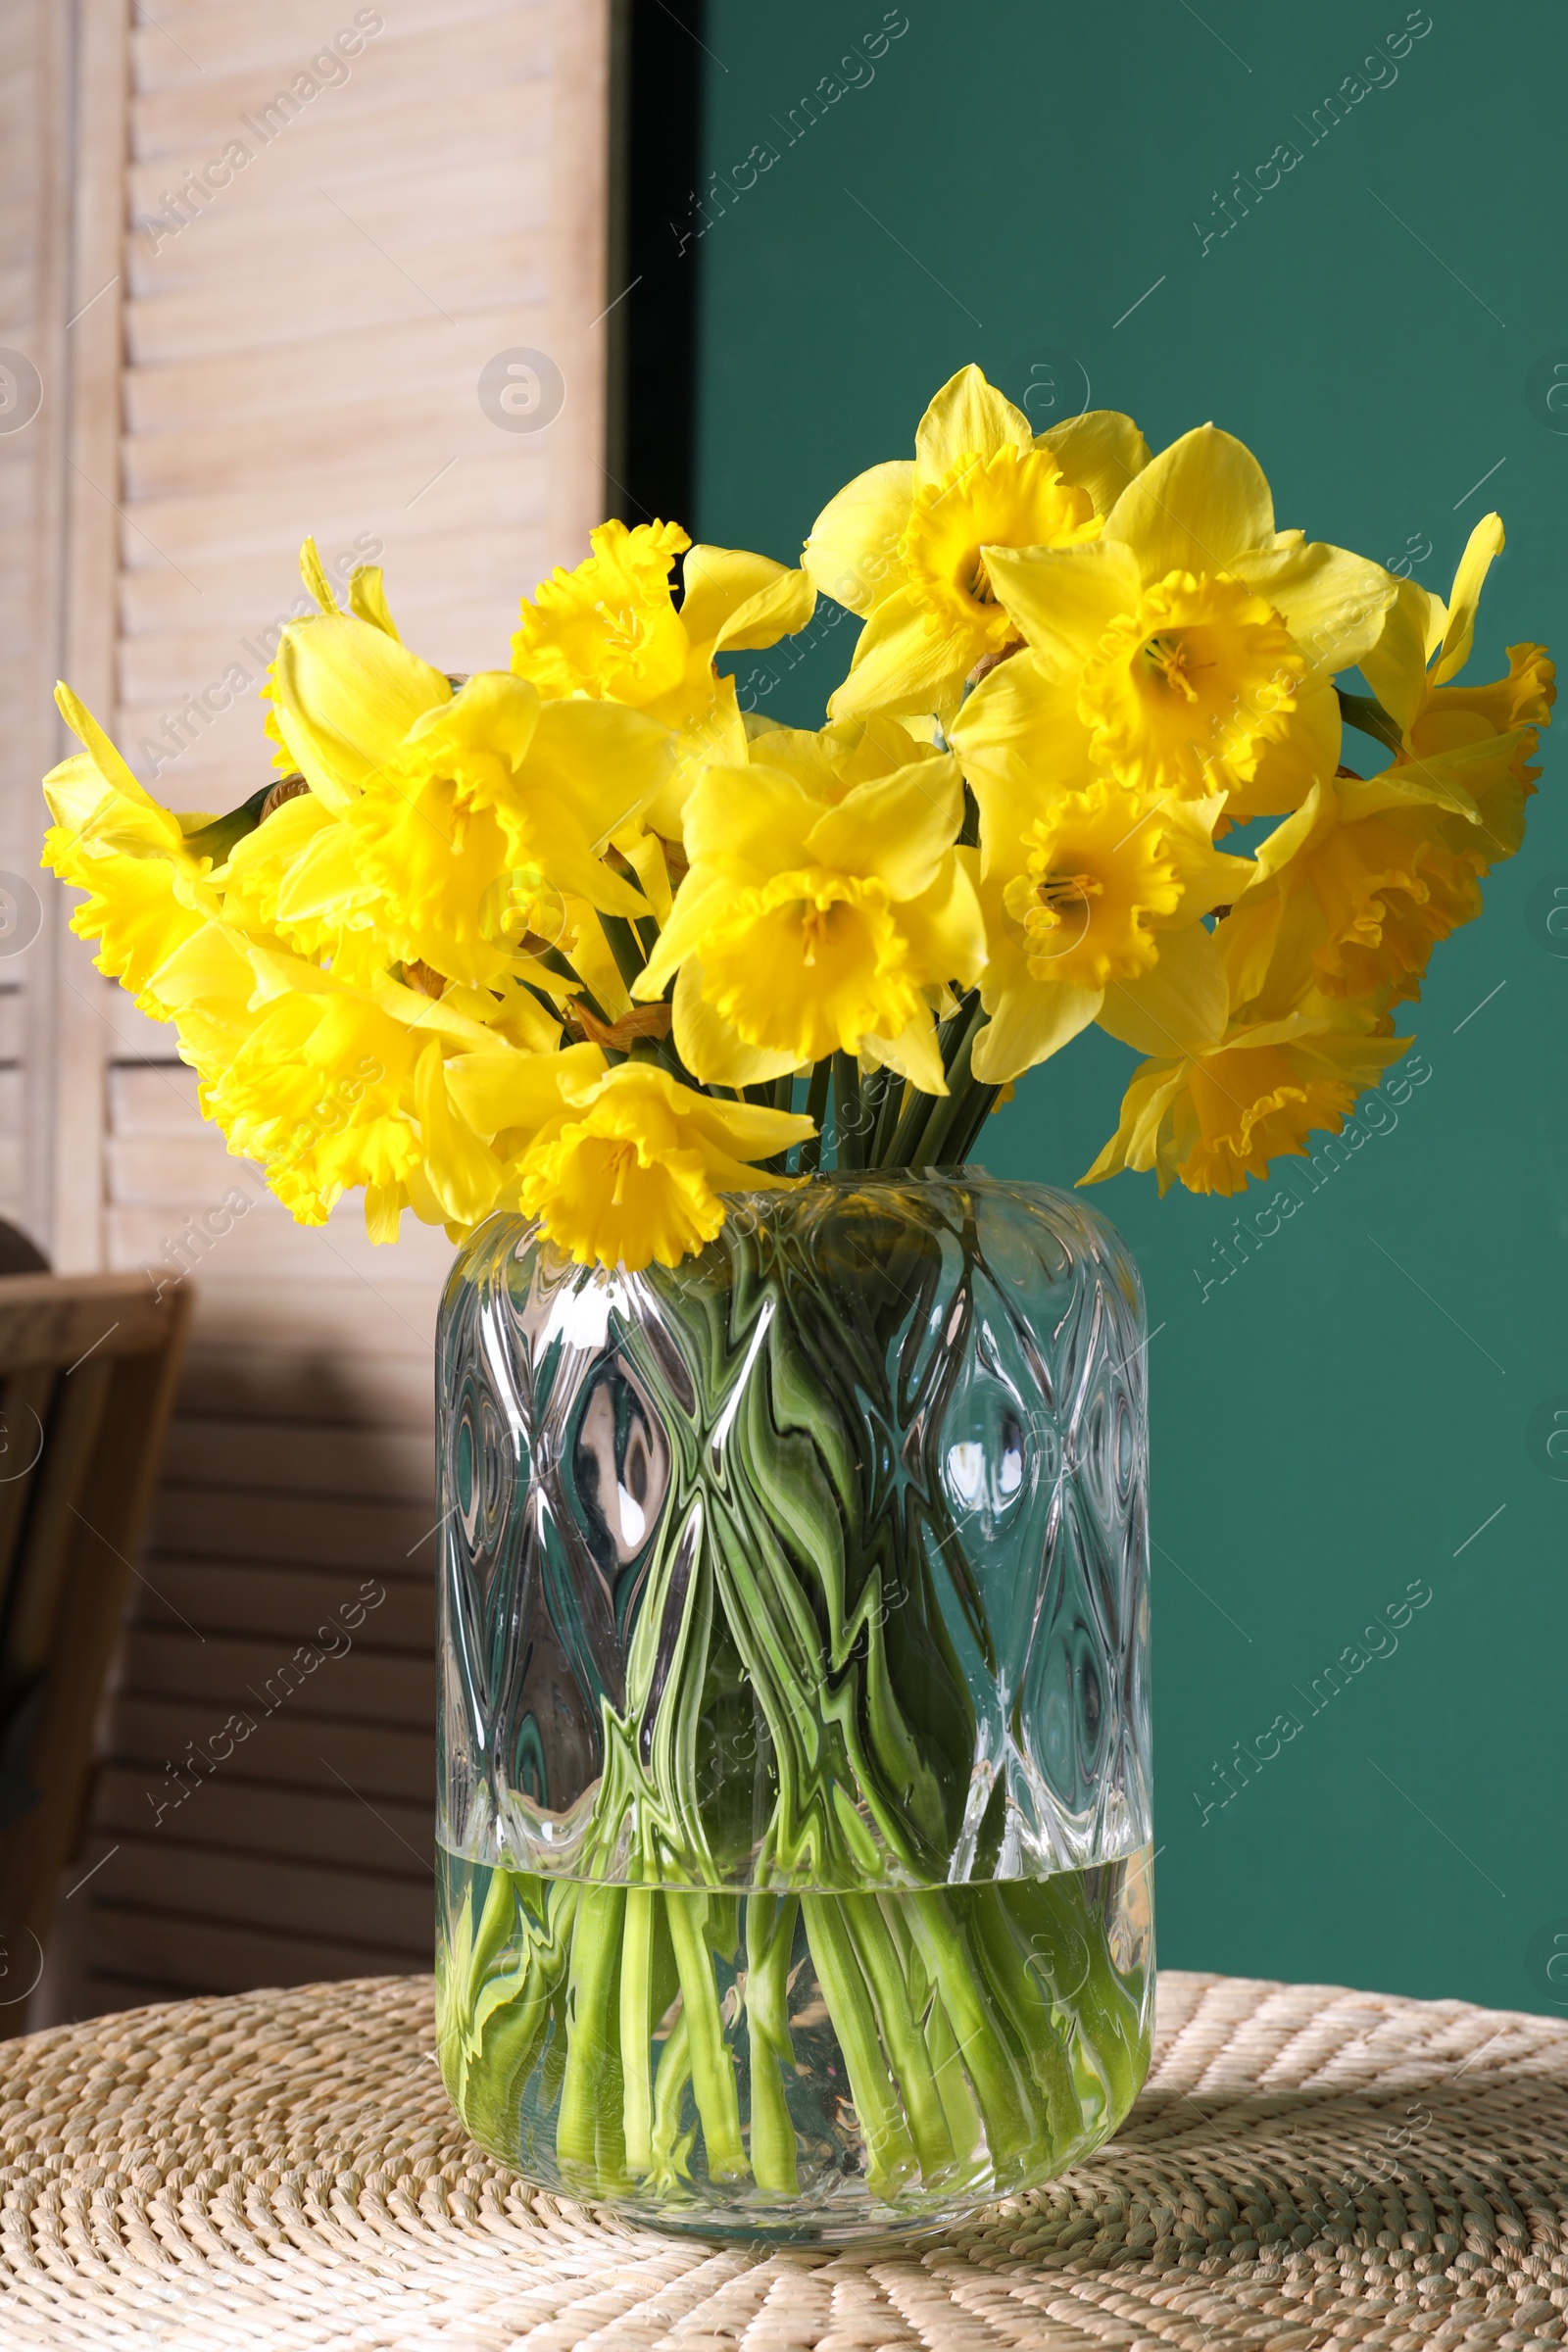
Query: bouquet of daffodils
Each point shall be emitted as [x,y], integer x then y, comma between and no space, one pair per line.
[579,939]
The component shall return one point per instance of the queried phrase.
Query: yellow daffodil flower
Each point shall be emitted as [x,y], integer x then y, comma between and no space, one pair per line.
[147,890]
[1423,645]
[309,1077]
[1350,895]
[1092,910]
[611,629]
[904,543]
[333,1086]
[824,907]
[634,1169]
[463,832]
[1189,650]
[1213,1119]
[382,976]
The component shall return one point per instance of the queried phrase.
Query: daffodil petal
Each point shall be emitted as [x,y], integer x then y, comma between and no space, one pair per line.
[108,761]
[463,1171]
[967,415]
[913,1054]
[494,712]
[852,553]
[709,732]
[897,827]
[745,1130]
[904,662]
[711,1049]
[594,966]
[854,750]
[1197,507]
[570,861]
[646,856]
[776,612]
[700,896]
[943,926]
[718,583]
[327,883]
[1178,1007]
[345,695]
[1019,741]
[1149,1094]
[367,597]
[1447,779]
[1332,603]
[1290,763]
[498,1091]
[1028,1024]
[1484,543]
[1063,597]
[603,762]
[1099,452]
[736,600]
[752,821]
[1317,812]
[1394,666]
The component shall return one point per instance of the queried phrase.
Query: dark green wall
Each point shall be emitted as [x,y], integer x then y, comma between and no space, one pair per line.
[1333,1423]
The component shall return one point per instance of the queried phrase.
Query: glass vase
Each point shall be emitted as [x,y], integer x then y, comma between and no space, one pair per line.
[794,1764]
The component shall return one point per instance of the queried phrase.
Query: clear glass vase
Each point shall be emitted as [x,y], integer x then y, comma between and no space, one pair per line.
[794,1771]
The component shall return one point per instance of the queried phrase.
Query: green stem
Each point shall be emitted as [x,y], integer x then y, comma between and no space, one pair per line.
[921,1108]
[875,1087]
[589,2140]
[1050,1916]
[847,1116]
[946,2062]
[498,1918]
[712,2073]
[889,2155]
[973,1114]
[553,961]
[901,2037]
[625,947]
[1367,715]
[769,1940]
[511,2015]
[911,1119]
[948,1107]
[637,2027]
[1002,2093]
[952,2087]
[671,2146]
[894,1097]
[1007,1960]
[811,1159]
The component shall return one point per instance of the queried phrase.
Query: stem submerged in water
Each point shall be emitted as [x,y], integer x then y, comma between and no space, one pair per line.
[961,2069]
[590,2136]
[769,1941]
[713,2075]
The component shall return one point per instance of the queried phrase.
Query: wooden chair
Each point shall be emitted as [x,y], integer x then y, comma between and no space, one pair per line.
[88,1365]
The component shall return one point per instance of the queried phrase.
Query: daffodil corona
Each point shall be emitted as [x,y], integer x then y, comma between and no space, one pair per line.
[581,939]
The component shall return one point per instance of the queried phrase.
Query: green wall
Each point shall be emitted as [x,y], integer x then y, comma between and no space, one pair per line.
[1333,1422]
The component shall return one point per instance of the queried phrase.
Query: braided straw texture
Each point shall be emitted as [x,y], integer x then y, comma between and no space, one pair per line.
[1306,2166]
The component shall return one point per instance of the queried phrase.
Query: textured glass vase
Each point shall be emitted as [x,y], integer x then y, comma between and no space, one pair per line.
[793,1776]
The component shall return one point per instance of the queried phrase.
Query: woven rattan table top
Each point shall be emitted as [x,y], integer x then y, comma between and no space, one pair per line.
[1306,2166]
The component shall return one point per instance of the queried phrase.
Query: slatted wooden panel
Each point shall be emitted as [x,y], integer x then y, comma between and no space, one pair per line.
[303,355]
[33,328]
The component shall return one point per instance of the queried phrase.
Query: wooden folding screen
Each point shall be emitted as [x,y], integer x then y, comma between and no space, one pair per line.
[302,231]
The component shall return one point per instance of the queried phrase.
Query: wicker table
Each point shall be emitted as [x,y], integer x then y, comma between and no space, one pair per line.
[1306,2166]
